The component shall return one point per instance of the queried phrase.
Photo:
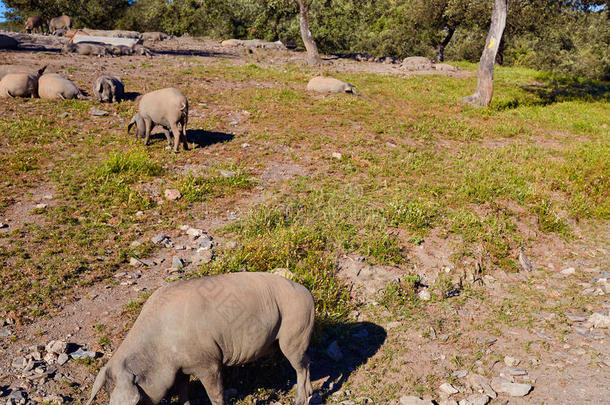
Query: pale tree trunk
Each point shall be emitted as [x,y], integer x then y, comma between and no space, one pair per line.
[482,97]
[440,48]
[313,57]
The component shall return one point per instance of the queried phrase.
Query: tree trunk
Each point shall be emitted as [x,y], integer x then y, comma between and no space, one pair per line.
[440,48]
[482,97]
[313,57]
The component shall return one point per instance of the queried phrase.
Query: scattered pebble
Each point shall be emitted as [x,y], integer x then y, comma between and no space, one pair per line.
[81,354]
[194,232]
[5,332]
[337,155]
[424,295]
[487,341]
[448,389]
[62,359]
[172,194]
[97,112]
[178,262]
[525,261]
[511,361]
[576,317]
[600,320]
[515,389]
[460,373]
[568,271]
[41,206]
[227,173]
[475,399]
[411,400]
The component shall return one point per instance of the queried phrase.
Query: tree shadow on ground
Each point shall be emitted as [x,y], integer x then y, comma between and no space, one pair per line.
[273,374]
[192,52]
[557,90]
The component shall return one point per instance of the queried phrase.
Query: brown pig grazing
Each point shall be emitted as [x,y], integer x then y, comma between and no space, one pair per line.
[54,86]
[34,23]
[329,85]
[165,107]
[20,84]
[196,327]
[60,23]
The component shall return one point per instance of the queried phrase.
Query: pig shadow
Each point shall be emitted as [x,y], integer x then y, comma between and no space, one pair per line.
[357,342]
[200,138]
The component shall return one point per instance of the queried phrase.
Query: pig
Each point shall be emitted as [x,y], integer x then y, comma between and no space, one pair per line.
[34,23]
[120,50]
[20,84]
[7,42]
[196,327]
[60,23]
[108,89]
[154,36]
[86,48]
[6,69]
[54,86]
[166,107]
[329,85]
[141,50]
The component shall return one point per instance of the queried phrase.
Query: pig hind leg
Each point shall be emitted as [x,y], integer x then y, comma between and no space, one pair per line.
[294,348]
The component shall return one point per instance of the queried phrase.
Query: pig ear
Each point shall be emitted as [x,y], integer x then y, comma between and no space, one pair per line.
[126,391]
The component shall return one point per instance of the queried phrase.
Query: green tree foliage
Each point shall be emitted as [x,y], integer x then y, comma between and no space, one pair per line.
[565,36]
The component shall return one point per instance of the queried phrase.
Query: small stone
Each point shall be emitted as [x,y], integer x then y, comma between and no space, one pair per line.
[3,225]
[135,243]
[178,262]
[158,238]
[411,400]
[227,173]
[284,273]
[424,295]
[50,358]
[205,242]
[172,194]
[476,399]
[97,112]
[568,271]
[134,262]
[233,123]
[184,228]
[41,206]
[203,256]
[600,320]
[515,389]
[448,389]
[460,373]
[511,361]
[245,145]
[487,341]
[5,332]
[194,232]
[230,245]
[56,346]
[63,115]
[29,366]
[482,384]
[53,399]
[448,402]
[81,354]
[17,396]
[180,247]
[576,317]
[334,351]
[140,214]
[517,371]
[62,359]
[337,155]
[36,355]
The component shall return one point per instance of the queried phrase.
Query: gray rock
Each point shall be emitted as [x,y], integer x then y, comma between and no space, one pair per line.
[416,63]
[19,363]
[178,262]
[334,351]
[205,242]
[194,232]
[411,400]
[424,295]
[5,332]
[158,238]
[62,359]
[475,399]
[18,396]
[487,341]
[481,383]
[515,389]
[97,112]
[202,256]
[511,361]
[53,399]
[81,354]
[496,383]
[228,173]
[517,371]
[36,355]
[134,262]
[448,389]
[600,320]
[50,358]
[29,366]
[460,373]
[172,194]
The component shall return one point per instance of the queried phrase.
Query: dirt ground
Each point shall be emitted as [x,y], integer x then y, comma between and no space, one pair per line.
[563,357]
